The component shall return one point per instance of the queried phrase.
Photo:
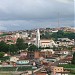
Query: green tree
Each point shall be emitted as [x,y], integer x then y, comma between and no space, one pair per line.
[63,34]
[73,59]
[4,47]
[46,35]
[20,44]
[13,48]
[1,54]
[32,47]
[25,45]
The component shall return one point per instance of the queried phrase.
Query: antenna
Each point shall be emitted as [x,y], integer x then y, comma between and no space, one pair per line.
[58,20]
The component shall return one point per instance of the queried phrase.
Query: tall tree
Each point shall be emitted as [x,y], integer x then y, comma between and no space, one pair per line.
[32,47]
[1,54]
[13,48]
[4,47]
[20,44]
[73,59]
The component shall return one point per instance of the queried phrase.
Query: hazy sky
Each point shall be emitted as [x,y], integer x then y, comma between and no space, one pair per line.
[29,14]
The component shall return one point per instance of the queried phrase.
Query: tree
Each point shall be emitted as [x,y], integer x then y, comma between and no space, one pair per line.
[4,47]
[1,54]
[13,48]
[63,34]
[20,44]
[46,35]
[73,59]
[25,45]
[32,47]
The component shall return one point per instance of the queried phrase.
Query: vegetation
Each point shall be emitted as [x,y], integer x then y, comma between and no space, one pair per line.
[20,44]
[72,72]
[7,48]
[14,48]
[1,54]
[6,73]
[73,59]
[20,68]
[67,65]
[3,34]
[32,47]
[47,35]
[59,34]
[5,58]
[4,47]
[62,34]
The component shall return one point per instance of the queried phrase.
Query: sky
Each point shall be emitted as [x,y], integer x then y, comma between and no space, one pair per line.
[30,14]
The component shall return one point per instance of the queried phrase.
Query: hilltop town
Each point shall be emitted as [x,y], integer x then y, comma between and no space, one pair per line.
[43,51]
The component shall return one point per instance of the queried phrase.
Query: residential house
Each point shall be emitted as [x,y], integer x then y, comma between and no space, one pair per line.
[46,53]
[14,59]
[58,71]
[65,42]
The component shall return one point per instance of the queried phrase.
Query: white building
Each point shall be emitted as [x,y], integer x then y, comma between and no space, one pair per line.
[17,35]
[14,59]
[48,50]
[24,34]
[47,43]
[38,38]
[65,42]
[44,42]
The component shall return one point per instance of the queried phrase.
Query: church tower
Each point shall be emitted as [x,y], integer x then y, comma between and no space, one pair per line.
[38,38]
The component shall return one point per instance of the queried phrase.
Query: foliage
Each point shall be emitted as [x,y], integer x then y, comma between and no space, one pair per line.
[13,48]
[4,58]
[32,47]
[62,34]
[3,47]
[47,35]
[73,59]
[21,68]
[59,34]
[1,54]
[7,48]
[20,44]
[67,65]
[3,34]
[72,72]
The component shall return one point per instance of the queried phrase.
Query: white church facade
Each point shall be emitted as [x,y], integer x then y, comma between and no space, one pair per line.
[43,42]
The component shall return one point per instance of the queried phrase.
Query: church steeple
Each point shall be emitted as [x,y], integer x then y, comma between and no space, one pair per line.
[38,38]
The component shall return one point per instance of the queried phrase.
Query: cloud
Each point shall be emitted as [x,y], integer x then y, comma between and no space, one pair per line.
[34,9]
[3,27]
[19,13]
[32,24]
[65,1]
